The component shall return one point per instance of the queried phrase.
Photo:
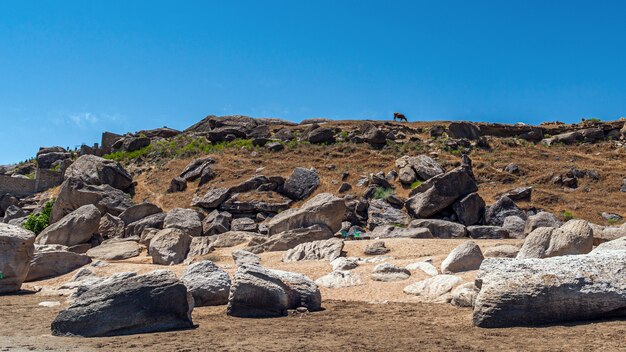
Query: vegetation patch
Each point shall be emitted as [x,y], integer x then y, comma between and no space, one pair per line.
[38,222]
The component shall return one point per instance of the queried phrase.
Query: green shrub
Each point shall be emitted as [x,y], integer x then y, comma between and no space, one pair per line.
[125,156]
[382,193]
[594,119]
[416,184]
[38,222]
[567,215]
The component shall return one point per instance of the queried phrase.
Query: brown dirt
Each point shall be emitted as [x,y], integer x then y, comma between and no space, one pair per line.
[373,317]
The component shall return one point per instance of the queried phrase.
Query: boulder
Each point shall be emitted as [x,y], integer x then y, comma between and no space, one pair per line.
[436,289]
[573,237]
[51,263]
[376,248]
[541,219]
[522,292]
[519,194]
[425,266]
[290,239]
[391,231]
[75,228]
[440,192]
[216,222]
[235,238]
[208,284]
[258,292]
[138,212]
[110,307]
[500,210]
[13,212]
[464,295]
[170,246]
[16,252]
[301,183]
[111,227]
[466,256]
[329,249]
[501,251]
[212,199]
[187,220]
[440,228]
[463,130]
[421,166]
[372,135]
[47,157]
[469,209]
[343,263]
[243,257]
[75,194]
[488,232]
[614,245]
[381,213]
[244,224]
[339,279]
[321,135]
[150,222]
[200,246]
[115,250]
[323,209]
[388,272]
[93,170]
[515,226]
[177,184]
[194,169]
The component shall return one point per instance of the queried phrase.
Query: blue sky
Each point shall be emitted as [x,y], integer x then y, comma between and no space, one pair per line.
[72,69]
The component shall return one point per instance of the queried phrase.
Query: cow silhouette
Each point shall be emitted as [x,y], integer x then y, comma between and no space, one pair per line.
[399,117]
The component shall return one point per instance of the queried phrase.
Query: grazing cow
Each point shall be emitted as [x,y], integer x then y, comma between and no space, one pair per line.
[399,116]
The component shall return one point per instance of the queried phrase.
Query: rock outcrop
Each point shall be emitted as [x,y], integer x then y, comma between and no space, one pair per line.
[16,252]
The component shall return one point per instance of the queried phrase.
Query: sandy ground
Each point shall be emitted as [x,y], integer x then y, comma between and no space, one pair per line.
[373,317]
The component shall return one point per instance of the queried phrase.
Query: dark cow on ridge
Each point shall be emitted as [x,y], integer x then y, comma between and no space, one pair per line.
[399,116]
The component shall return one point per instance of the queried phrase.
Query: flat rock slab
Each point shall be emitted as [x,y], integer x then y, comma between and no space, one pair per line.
[116,250]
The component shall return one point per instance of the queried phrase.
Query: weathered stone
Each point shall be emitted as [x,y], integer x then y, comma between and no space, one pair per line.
[521,292]
[301,183]
[115,250]
[376,248]
[244,224]
[344,187]
[502,251]
[614,245]
[500,210]
[110,227]
[235,238]
[187,220]
[541,219]
[93,170]
[421,166]
[75,228]
[16,252]
[170,246]
[343,263]
[466,256]
[51,263]
[425,266]
[440,228]
[13,212]
[323,209]
[519,194]
[391,231]
[488,232]
[110,307]
[242,257]
[258,292]
[462,129]
[436,289]
[212,199]
[573,237]
[138,212]
[381,213]
[388,272]
[208,284]
[469,209]
[194,169]
[439,192]
[464,295]
[177,184]
[290,239]
[200,246]
[321,135]
[329,249]
[339,279]
[216,222]
[150,222]
[515,226]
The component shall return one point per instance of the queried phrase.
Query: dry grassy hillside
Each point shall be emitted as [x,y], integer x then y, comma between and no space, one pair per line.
[538,164]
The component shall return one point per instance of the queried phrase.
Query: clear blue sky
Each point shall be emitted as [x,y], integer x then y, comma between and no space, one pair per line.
[72,69]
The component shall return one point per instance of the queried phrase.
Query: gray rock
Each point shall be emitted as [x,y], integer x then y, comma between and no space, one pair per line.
[344,187]
[244,224]
[216,222]
[381,213]
[440,228]
[75,228]
[464,295]
[323,209]
[110,308]
[301,183]
[343,263]
[425,266]
[258,292]
[93,170]
[187,220]
[321,135]
[521,292]
[242,257]
[115,250]
[274,146]
[13,212]
[391,231]
[235,238]
[111,227]
[138,212]
[290,239]
[502,251]
[488,232]
[339,279]
[605,216]
[469,209]
[466,256]
[194,169]
[500,210]
[519,194]
[170,246]
[212,199]
[387,272]
[614,245]
[515,226]
[208,284]
[200,246]
[463,130]
[150,222]
[573,237]
[376,248]
[421,166]
[177,184]
[16,252]
[541,219]
[51,263]
[439,192]
[436,289]
[329,249]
